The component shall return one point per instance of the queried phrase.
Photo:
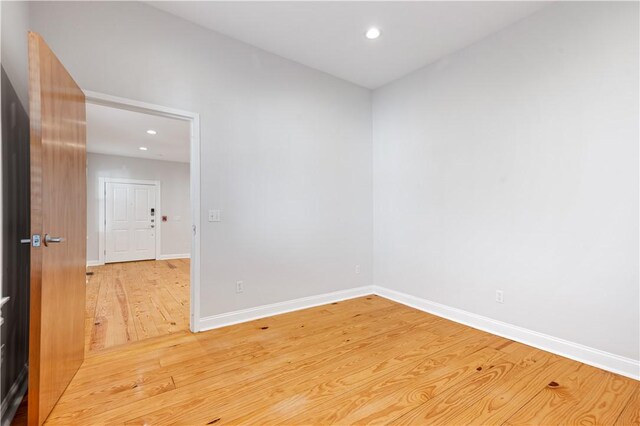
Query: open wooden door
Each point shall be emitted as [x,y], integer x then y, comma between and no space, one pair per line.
[58,229]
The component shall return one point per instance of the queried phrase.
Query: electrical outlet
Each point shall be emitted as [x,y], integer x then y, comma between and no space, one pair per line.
[499,296]
[214,215]
[239,286]
[357,269]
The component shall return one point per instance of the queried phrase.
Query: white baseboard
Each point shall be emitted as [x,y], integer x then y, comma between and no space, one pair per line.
[607,361]
[174,256]
[244,315]
[161,257]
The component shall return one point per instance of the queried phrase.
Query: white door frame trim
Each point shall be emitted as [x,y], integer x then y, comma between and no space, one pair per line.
[194,168]
[102,208]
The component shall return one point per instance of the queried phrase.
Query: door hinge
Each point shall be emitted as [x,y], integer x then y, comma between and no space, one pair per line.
[194,229]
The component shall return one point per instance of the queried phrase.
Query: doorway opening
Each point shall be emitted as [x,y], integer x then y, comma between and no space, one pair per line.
[142,221]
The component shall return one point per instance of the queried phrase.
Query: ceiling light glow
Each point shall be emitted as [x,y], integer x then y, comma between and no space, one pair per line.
[151,132]
[143,148]
[372,33]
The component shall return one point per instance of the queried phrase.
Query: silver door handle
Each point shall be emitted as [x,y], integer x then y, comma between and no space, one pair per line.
[34,241]
[49,240]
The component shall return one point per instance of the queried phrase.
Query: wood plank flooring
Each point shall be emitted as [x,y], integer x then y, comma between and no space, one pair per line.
[132,301]
[362,361]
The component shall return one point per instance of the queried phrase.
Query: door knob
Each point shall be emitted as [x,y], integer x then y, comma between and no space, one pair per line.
[50,240]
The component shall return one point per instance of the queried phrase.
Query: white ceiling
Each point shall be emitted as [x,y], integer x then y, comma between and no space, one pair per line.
[329,35]
[121,132]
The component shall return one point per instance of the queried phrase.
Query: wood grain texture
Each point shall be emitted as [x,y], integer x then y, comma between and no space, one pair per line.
[58,208]
[362,361]
[132,301]
[581,394]
[630,416]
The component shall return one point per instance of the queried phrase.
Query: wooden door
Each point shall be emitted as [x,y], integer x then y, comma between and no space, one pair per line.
[58,210]
[130,222]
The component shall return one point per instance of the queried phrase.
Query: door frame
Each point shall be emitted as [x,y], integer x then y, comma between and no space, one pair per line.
[102,211]
[194,172]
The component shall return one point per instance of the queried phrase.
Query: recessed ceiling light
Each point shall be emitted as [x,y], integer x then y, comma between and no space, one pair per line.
[151,132]
[143,148]
[372,33]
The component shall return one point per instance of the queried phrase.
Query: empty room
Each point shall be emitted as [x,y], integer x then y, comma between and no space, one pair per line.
[320,212]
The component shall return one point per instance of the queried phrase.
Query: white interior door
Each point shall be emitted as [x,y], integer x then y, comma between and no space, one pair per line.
[130,222]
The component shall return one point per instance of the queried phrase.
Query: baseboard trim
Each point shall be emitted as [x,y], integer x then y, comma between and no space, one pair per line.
[174,256]
[607,361]
[244,315]
[161,257]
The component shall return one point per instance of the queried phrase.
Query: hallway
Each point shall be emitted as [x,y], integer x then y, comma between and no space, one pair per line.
[132,301]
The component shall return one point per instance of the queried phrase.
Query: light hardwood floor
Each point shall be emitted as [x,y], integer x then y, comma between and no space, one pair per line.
[132,301]
[361,361]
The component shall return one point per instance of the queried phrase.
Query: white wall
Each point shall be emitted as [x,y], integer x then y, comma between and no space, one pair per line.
[174,198]
[15,25]
[510,165]
[286,150]
[513,165]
